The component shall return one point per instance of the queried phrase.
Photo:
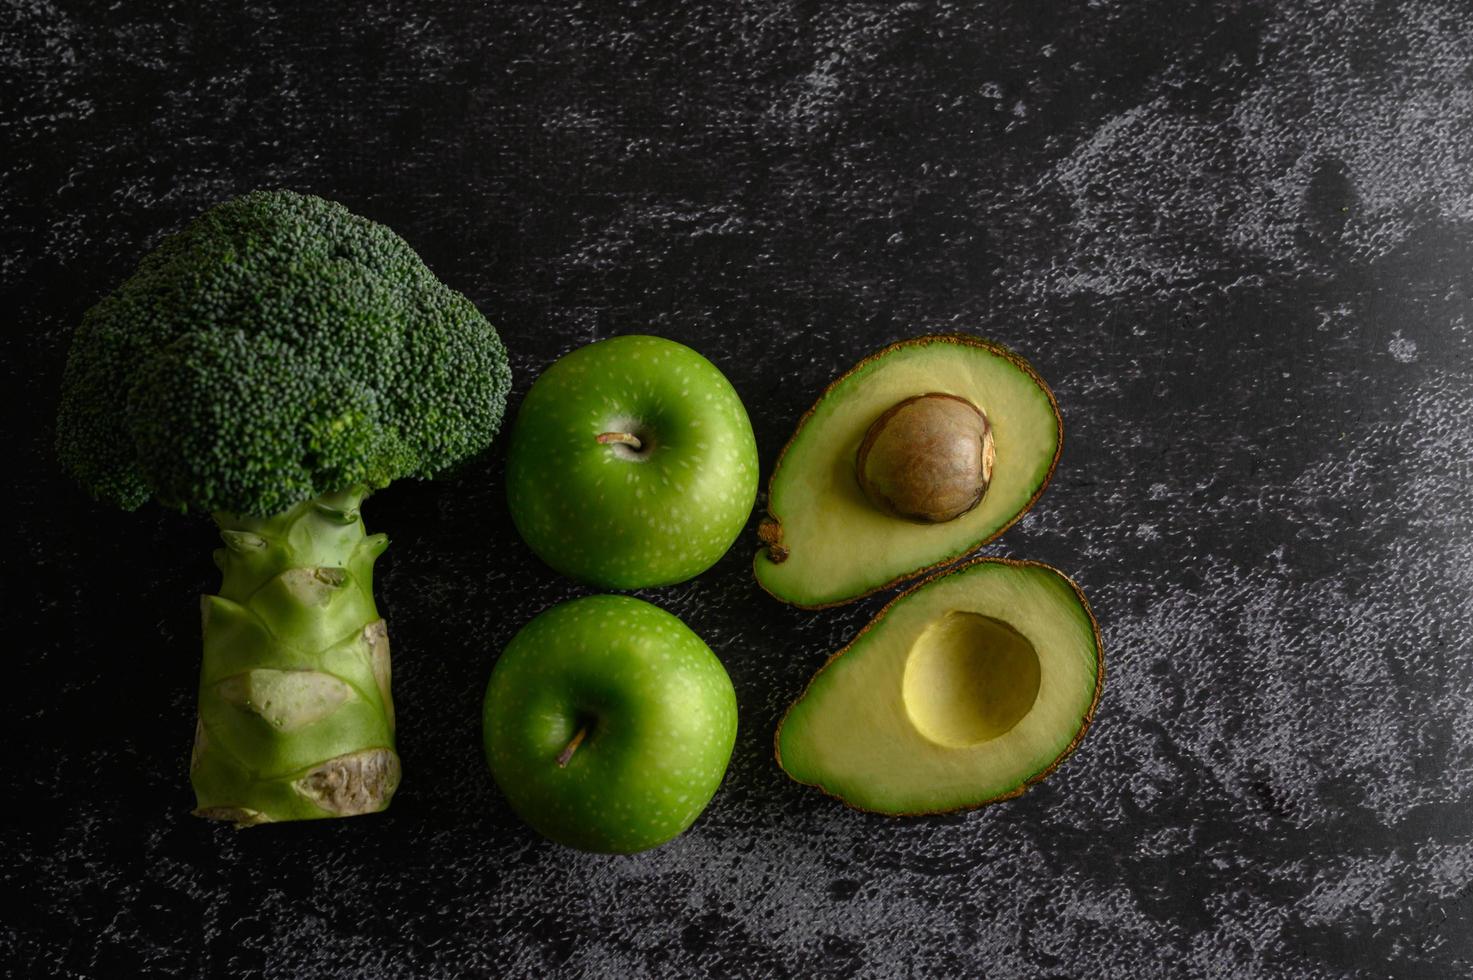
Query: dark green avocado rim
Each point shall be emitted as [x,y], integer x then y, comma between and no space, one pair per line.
[1028,781]
[770,528]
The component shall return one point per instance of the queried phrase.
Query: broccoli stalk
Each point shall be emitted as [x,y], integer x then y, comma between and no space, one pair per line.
[271,365]
[295,716]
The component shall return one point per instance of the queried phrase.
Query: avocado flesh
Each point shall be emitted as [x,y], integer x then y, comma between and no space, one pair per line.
[835,544]
[963,691]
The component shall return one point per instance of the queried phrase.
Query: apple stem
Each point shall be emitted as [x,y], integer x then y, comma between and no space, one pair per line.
[626,438]
[571,747]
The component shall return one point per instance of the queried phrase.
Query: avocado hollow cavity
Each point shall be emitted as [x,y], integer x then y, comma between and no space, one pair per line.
[927,458]
[969,679]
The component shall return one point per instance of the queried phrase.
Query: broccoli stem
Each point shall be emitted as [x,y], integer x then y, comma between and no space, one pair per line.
[295,717]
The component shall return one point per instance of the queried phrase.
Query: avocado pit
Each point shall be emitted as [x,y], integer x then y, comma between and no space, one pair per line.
[927,458]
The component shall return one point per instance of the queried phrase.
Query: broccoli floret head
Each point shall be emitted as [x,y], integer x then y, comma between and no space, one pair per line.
[278,348]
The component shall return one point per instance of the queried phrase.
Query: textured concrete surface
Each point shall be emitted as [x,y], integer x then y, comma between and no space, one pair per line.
[1236,239]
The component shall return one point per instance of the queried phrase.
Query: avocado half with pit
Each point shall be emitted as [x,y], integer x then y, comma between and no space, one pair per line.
[919,454]
[965,690]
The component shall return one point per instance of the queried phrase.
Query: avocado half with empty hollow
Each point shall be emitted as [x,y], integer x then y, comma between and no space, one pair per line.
[965,690]
[919,454]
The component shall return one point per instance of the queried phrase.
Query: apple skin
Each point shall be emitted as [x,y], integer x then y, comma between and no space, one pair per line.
[624,519]
[661,718]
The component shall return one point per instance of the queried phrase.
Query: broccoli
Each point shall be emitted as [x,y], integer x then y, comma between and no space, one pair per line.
[272,364]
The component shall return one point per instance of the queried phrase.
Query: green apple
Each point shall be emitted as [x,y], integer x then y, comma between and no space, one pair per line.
[608,724]
[632,463]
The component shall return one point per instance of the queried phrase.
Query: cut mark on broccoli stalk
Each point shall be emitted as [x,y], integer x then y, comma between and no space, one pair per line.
[313,586]
[199,745]
[287,700]
[239,815]
[338,515]
[360,782]
[242,542]
[376,636]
